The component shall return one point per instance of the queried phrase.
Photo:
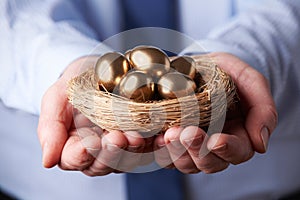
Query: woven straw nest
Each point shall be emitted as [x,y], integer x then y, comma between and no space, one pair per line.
[113,112]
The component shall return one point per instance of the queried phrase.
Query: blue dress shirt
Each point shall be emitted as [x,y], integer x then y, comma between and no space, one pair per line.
[38,39]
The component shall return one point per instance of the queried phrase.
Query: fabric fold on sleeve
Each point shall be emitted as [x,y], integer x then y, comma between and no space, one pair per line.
[267,38]
[40,40]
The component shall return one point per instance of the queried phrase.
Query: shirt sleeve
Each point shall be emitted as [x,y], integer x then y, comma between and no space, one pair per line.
[267,38]
[38,40]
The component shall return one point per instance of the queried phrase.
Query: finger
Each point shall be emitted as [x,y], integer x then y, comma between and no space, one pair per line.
[180,157]
[260,131]
[255,96]
[132,155]
[148,154]
[81,121]
[54,122]
[234,148]
[79,153]
[194,140]
[56,113]
[161,152]
[81,131]
[113,145]
[136,142]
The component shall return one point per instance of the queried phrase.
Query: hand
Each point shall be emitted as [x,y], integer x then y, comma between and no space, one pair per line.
[84,147]
[191,150]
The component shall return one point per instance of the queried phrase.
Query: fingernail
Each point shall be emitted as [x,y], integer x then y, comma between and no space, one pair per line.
[47,160]
[98,130]
[265,137]
[112,148]
[161,145]
[134,149]
[221,147]
[91,146]
[194,143]
[88,142]
[176,144]
[45,155]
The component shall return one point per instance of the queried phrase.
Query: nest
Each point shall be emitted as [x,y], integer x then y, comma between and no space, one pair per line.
[113,112]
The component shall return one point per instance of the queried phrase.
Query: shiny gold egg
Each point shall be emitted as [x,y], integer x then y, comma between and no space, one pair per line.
[150,59]
[109,70]
[185,65]
[138,86]
[127,54]
[174,85]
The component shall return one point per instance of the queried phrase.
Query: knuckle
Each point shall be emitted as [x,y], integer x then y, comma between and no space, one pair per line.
[184,164]
[93,174]
[248,155]
[163,161]
[115,144]
[97,169]
[210,164]
[192,170]
[222,166]
[250,79]
[204,166]
[63,166]
[242,158]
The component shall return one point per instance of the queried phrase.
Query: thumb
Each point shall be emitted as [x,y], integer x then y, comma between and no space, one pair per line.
[256,99]
[54,122]
[57,114]
[260,123]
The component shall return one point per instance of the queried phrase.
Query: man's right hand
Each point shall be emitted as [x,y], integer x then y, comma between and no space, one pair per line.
[73,142]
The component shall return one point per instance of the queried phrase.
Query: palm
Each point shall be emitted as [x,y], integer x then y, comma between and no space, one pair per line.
[73,142]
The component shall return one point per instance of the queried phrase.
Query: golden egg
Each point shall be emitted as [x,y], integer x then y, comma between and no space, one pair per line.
[127,53]
[185,65]
[138,86]
[174,85]
[110,68]
[150,59]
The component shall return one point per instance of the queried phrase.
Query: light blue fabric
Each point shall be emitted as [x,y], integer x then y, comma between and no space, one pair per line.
[268,38]
[39,38]
[23,176]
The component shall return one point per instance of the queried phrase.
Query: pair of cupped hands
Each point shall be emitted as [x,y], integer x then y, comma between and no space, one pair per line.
[72,142]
